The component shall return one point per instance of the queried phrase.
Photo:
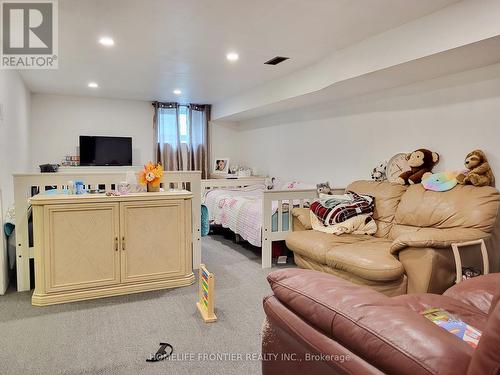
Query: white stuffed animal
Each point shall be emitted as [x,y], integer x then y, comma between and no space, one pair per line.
[269,183]
[378,173]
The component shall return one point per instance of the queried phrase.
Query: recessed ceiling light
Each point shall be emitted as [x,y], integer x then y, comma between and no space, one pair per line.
[107,41]
[93,85]
[177,92]
[232,56]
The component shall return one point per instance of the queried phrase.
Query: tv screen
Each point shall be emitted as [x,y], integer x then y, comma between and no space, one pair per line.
[105,150]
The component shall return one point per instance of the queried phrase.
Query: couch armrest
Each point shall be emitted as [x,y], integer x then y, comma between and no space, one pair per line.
[479,292]
[285,334]
[379,329]
[436,238]
[301,219]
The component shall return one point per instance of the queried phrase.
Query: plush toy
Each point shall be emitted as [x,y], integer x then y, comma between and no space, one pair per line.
[324,188]
[421,162]
[378,173]
[269,183]
[479,171]
[443,181]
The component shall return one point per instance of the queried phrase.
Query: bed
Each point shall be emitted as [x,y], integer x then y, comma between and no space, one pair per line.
[257,215]
[240,209]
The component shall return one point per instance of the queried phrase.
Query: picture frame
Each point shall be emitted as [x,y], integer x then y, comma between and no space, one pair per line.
[221,166]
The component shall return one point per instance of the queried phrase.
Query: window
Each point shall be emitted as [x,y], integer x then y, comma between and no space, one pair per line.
[183,124]
[182,136]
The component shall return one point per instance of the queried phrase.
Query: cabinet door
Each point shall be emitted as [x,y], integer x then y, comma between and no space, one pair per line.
[81,243]
[153,240]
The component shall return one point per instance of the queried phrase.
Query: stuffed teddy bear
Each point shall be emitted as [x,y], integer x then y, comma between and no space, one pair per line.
[378,173]
[324,188]
[421,162]
[479,171]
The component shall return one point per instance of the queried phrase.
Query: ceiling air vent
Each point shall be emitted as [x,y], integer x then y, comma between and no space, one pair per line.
[276,60]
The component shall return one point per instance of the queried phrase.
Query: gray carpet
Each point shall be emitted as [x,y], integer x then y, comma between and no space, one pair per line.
[115,335]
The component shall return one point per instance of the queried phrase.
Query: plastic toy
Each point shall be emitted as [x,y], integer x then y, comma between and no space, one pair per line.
[443,181]
[206,295]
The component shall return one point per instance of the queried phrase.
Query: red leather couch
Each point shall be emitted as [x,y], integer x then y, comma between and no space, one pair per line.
[320,324]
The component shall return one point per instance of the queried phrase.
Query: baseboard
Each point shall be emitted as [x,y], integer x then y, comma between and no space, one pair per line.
[115,290]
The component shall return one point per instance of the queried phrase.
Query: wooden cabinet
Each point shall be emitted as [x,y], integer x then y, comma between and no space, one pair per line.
[96,246]
[80,244]
[149,247]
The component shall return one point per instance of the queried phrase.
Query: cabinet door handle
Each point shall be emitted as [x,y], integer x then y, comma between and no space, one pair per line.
[123,243]
[116,243]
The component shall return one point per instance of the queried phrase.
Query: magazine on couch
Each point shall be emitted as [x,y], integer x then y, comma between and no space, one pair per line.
[454,325]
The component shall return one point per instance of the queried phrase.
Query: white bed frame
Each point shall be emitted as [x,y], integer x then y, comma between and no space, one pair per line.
[270,196]
[22,192]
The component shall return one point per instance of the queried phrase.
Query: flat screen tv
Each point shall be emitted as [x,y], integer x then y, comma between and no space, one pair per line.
[105,150]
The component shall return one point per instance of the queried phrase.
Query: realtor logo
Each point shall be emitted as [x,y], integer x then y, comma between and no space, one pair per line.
[29,34]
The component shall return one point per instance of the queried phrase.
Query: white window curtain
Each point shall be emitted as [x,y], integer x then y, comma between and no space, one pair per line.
[167,137]
[181,136]
[199,118]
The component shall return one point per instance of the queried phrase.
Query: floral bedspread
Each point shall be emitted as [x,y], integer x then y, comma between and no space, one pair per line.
[239,210]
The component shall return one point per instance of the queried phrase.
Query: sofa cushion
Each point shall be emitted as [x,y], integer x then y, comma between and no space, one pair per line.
[303,217]
[480,292]
[461,207]
[369,259]
[425,301]
[387,197]
[381,330]
[486,358]
[314,245]
[389,288]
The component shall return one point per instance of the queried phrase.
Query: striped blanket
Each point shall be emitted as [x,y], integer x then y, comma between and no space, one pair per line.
[334,209]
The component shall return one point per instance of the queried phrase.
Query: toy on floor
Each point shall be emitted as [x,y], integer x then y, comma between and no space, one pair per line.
[161,354]
[379,172]
[206,295]
[324,188]
[479,171]
[421,162]
[443,181]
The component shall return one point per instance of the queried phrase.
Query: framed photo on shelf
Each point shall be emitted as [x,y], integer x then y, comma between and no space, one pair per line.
[221,166]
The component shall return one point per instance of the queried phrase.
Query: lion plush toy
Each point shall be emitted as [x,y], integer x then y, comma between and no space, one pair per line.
[479,170]
[421,162]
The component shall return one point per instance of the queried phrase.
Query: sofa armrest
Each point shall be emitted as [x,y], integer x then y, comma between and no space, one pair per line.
[379,329]
[436,238]
[301,219]
[479,292]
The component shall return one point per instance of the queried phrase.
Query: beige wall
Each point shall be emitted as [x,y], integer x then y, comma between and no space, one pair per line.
[224,143]
[14,131]
[58,121]
[14,148]
[342,142]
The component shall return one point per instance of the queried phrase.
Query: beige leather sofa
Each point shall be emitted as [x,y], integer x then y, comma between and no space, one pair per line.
[411,251]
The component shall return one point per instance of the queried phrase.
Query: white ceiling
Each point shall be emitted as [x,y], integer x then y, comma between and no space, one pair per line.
[166,44]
